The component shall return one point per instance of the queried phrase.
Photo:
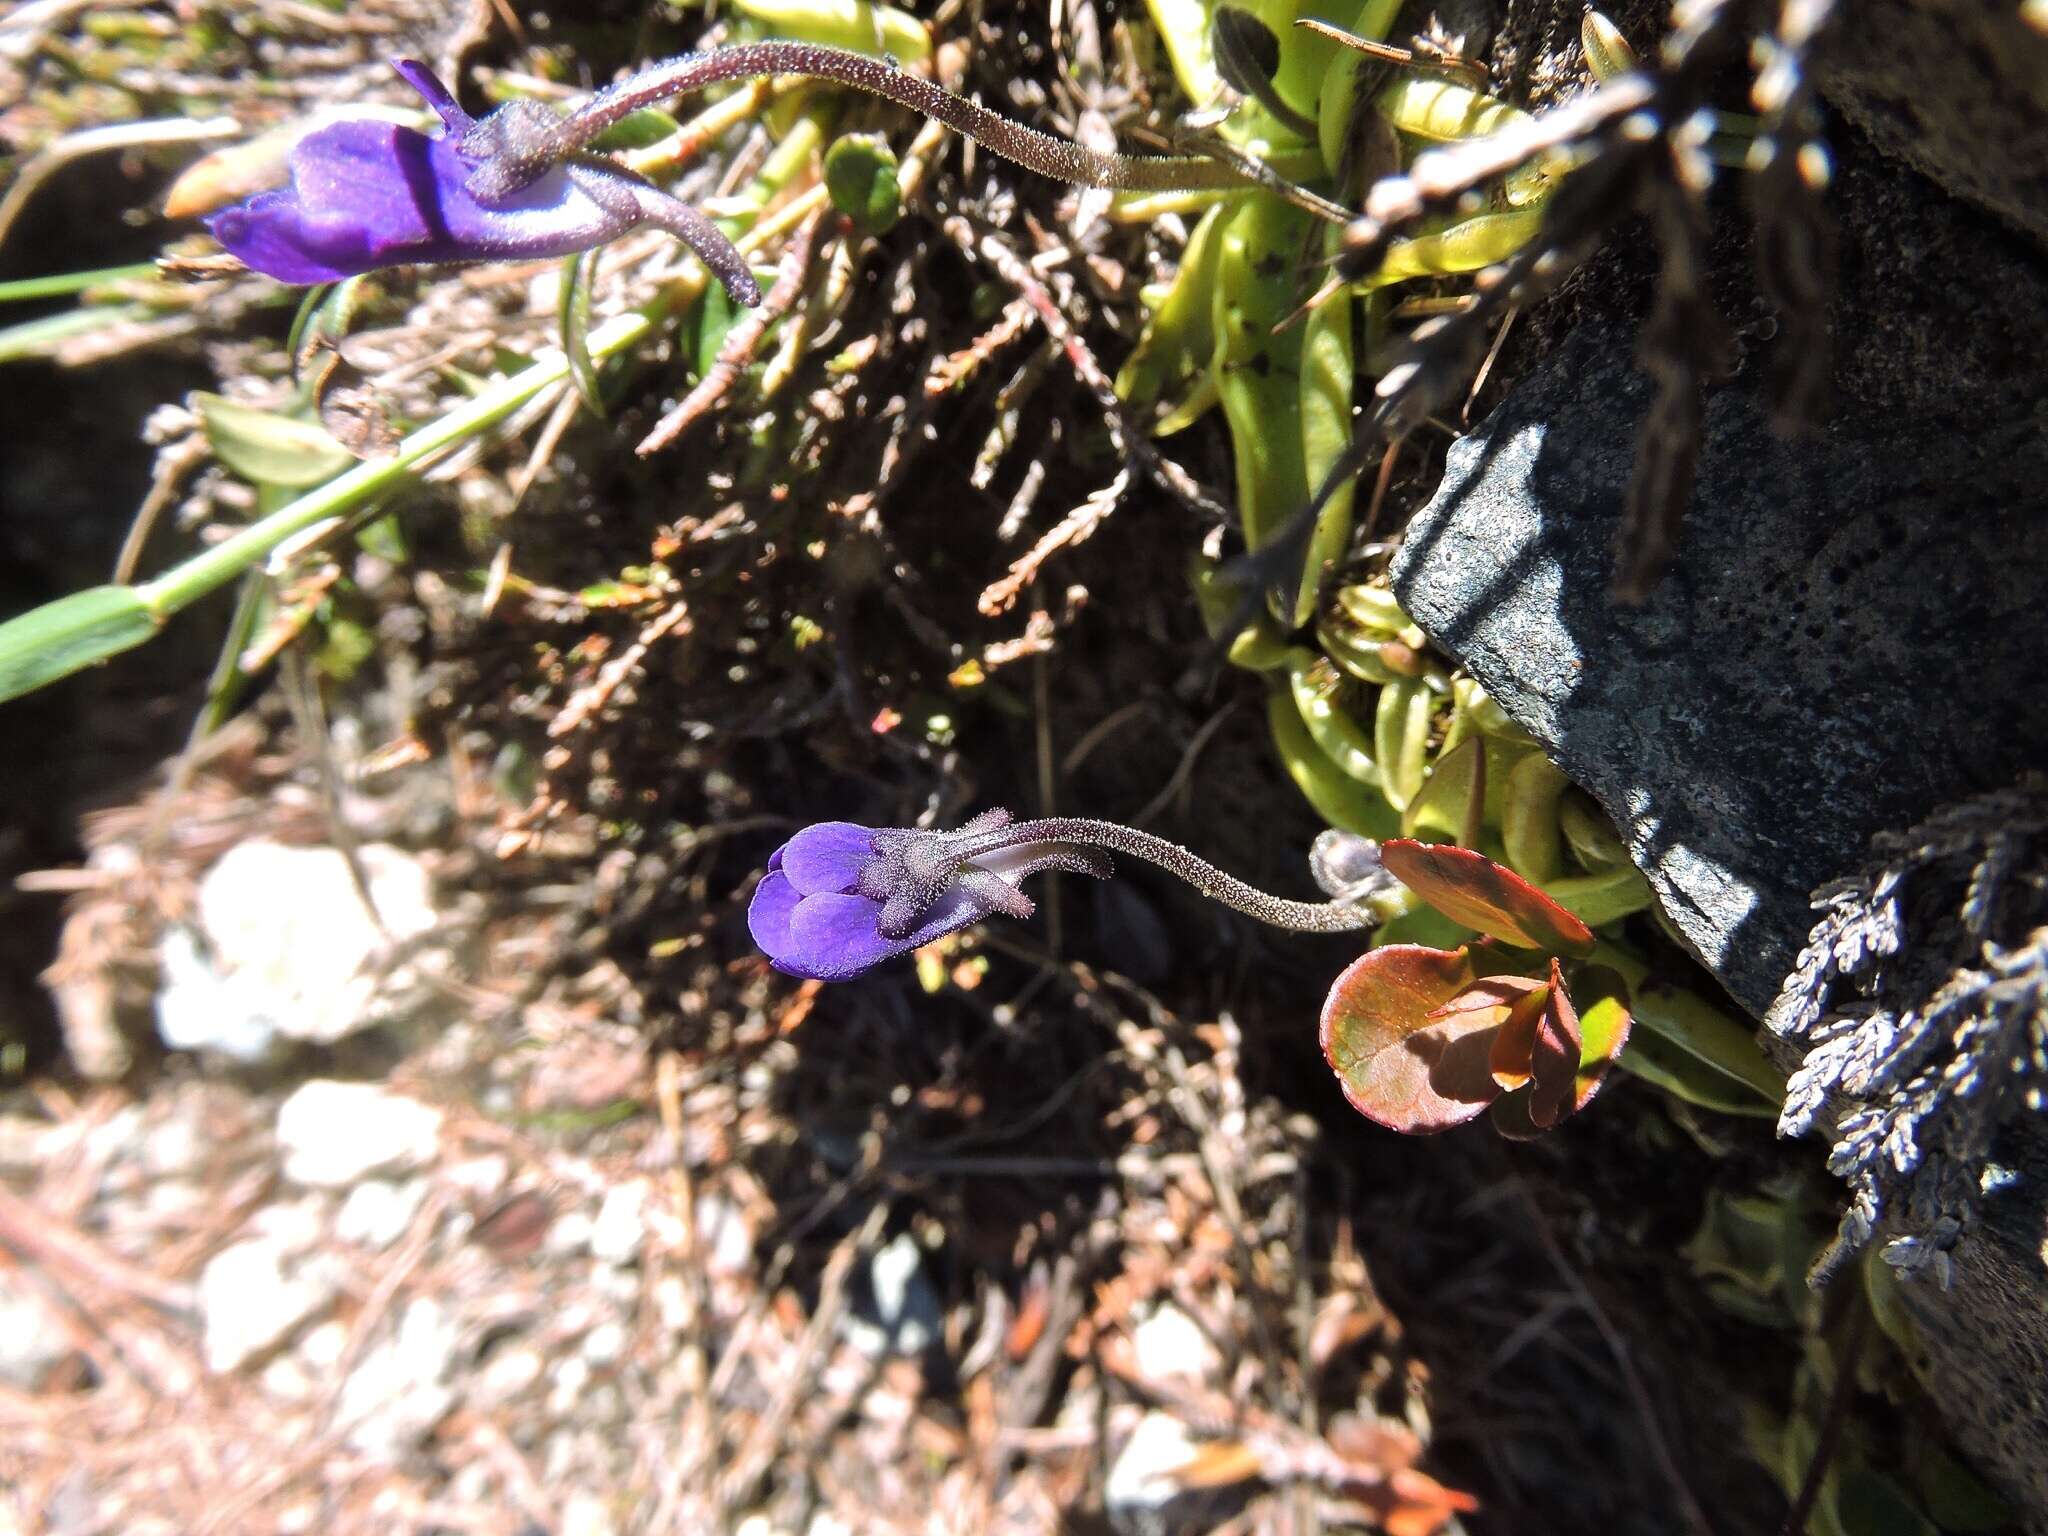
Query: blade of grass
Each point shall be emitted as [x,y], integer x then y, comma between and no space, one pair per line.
[59,638]
[62,283]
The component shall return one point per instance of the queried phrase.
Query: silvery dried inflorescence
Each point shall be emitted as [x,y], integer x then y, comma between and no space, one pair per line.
[1922,995]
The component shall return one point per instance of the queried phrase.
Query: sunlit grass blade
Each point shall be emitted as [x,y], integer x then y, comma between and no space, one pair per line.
[62,283]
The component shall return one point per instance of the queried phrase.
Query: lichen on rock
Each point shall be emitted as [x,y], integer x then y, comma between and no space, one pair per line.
[1923,996]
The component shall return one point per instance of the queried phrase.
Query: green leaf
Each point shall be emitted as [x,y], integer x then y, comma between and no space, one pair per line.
[1603,1030]
[70,634]
[270,449]
[1470,888]
[73,282]
[1603,898]
[860,178]
[1446,802]
[573,316]
[1397,1064]
[1654,1058]
[636,130]
[1703,1032]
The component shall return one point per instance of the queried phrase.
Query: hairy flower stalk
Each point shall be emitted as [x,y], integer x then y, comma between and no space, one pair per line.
[839,898]
[1041,152]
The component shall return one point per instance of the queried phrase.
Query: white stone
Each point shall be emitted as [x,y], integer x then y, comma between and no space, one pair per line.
[334,1133]
[284,946]
[294,1225]
[585,1514]
[377,1212]
[605,1345]
[248,1303]
[31,1343]
[570,1233]
[173,1147]
[898,1314]
[478,1177]
[286,1379]
[672,1304]
[1140,1479]
[1171,1345]
[572,1377]
[400,1391]
[508,1373]
[621,1225]
[324,1345]
[725,1243]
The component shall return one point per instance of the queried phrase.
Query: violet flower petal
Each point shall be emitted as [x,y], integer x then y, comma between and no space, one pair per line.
[834,937]
[827,856]
[768,914]
[368,194]
[434,93]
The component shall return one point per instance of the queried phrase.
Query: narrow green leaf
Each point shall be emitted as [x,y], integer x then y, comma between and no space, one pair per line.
[573,313]
[38,338]
[73,282]
[310,303]
[1655,1058]
[60,638]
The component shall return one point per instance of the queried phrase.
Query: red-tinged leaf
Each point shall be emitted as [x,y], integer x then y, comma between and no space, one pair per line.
[1554,1062]
[1603,1031]
[1471,889]
[1514,1048]
[1496,993]
[1460,1050]
[1390,1059]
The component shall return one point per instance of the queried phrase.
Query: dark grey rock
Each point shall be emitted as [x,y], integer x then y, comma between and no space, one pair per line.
[1956,88]
[1852,635]
[1852,638]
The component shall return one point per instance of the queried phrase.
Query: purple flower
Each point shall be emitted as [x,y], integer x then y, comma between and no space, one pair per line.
[368,194]
[839,898]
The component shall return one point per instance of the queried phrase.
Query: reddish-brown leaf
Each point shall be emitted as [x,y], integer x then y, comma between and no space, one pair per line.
[1603,1031]
[1554,1060]
[1470,888]
[1495,994]
[1515,1046]
[1396,1065]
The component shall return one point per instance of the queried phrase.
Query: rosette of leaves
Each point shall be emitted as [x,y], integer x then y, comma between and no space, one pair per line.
[1425,1039]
